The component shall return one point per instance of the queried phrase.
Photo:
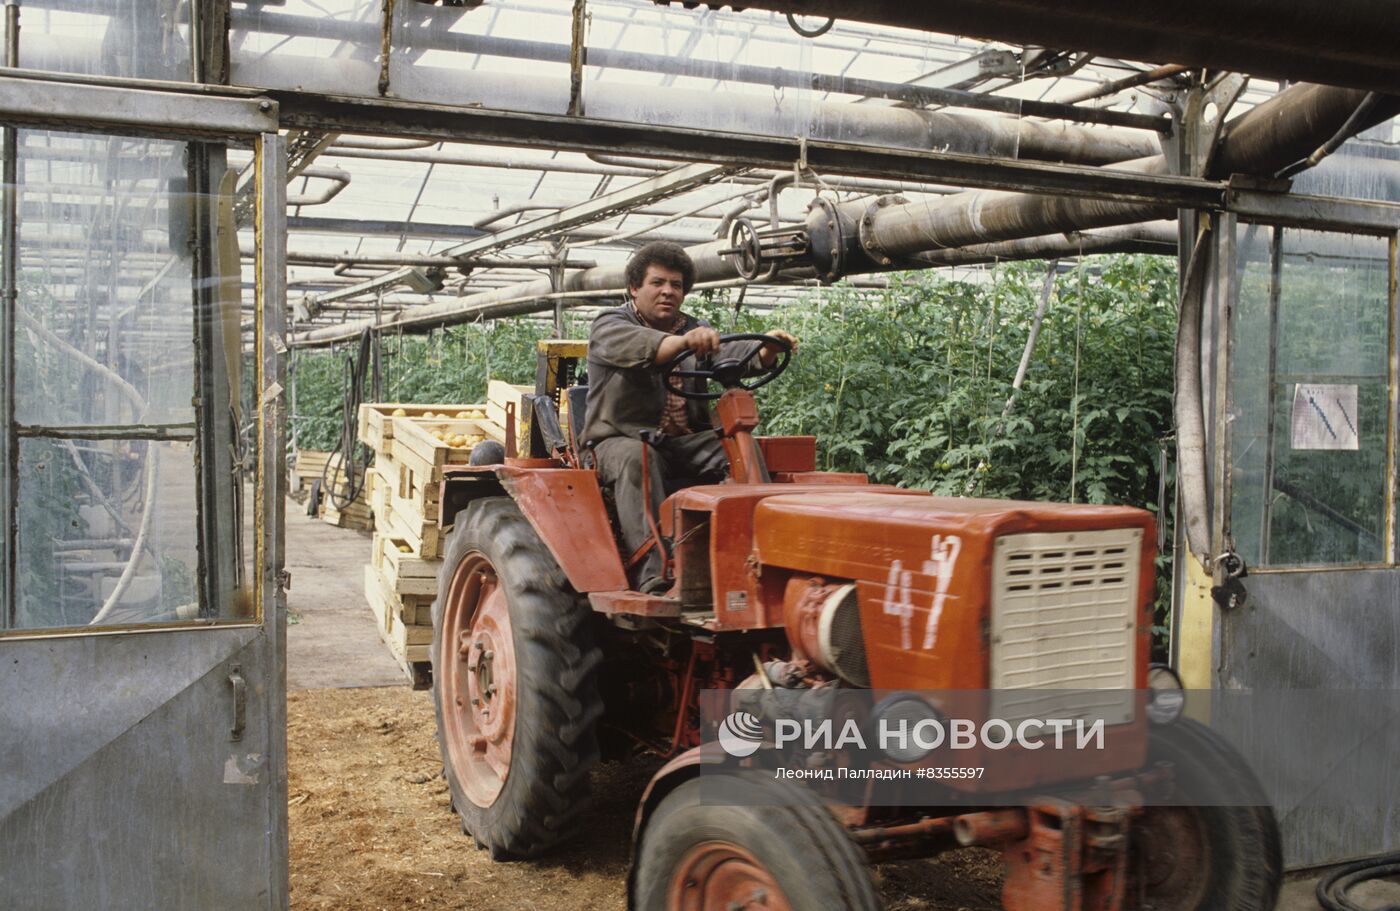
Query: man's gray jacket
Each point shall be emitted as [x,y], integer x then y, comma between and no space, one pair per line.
[625,393]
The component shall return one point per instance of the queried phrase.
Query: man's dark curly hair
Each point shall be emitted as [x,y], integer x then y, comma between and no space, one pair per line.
[665,254]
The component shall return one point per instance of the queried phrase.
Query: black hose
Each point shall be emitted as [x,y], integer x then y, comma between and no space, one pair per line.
[810,32]
[347,443]
[1332,889]
[1327,148]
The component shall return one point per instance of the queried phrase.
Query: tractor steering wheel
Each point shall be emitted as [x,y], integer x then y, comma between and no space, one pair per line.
[729,371]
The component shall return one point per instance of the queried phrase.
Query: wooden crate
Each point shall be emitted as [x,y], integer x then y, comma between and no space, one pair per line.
[408,575]
[375,422]
[408,642]
[356,514]
[414,444]
[306,469]
[499,394]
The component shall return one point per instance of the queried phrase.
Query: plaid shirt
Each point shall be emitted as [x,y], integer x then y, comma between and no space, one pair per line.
[674,420]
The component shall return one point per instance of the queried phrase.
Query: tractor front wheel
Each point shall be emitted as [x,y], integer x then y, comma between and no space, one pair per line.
[753,843]
[514,688]
[1217,844]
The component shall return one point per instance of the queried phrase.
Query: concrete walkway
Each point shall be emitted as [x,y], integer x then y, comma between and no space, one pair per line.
[332,640]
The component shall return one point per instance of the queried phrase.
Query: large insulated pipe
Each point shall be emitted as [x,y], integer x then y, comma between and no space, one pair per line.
[1269,137]
[1188,407]
[1341,42]
[1151,237]
[1262,141]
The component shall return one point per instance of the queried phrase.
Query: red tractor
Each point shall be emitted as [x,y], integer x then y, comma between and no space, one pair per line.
[787,578]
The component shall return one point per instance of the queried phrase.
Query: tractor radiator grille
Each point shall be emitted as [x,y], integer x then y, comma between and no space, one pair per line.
[1064,617]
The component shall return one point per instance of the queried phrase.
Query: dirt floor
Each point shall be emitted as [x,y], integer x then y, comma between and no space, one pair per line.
[371,827]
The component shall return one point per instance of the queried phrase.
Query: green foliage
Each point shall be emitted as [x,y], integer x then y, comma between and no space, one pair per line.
[910,387]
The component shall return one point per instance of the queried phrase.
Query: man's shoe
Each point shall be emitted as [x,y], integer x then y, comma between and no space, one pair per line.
[656,585]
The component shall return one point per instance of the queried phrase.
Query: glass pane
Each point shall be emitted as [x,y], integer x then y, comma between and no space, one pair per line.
[1250,367]
[103,279]
[140,39]
[746,71]
[107,535]
[133,476]
[314,45]
[1309,437]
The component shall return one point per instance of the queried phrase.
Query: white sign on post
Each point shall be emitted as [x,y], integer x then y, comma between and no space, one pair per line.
[1324,416]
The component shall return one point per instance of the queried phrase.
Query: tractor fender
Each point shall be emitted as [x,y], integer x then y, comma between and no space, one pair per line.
[563,505]
[669,777]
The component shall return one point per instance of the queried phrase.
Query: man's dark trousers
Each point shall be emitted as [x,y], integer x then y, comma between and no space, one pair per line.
[695,456]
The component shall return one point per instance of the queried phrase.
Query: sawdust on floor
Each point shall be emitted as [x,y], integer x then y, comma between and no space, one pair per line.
[371,828]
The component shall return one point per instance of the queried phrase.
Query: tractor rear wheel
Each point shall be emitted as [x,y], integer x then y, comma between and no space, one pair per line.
[514,668]
[1217,845]
[754,843]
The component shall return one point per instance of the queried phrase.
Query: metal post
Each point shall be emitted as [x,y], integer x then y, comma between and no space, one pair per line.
[1392,492]
[1266,517]
[578,57]
[268,510]
[556,281]
[9,302]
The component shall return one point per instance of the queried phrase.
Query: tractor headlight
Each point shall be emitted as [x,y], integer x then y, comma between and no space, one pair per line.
[1166,697]
[906,728]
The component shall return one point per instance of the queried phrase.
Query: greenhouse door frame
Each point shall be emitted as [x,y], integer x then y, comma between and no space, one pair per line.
[144,766]
[1312,626]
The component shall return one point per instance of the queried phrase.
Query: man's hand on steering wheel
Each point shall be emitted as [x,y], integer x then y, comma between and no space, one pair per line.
[701,340]
[729,372]
[771,351]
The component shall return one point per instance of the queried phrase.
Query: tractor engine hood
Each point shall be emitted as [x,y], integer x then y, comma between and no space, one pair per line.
[960,593]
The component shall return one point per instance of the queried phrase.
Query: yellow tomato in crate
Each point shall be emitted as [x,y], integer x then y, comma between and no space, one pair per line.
[399,413]
[405,549]
[462,415]
[439,435]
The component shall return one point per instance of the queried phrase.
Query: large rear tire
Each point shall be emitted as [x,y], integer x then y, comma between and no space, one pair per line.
[514,684]
[1217,846]
[753,843]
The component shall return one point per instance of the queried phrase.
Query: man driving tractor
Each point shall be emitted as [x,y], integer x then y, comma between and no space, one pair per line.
[630,408]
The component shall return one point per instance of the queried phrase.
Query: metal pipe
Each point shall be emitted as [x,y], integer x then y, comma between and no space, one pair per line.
[1273,134]
[1189,408]
[9,304]
[308,258]
[339,179]
[1149,237]
[1343,42]
[1127,82]
[606,165]
[867,124]
[991,827]
[381,142]
[479,159]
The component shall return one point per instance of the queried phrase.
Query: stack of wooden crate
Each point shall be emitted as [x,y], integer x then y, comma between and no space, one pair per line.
[307,467]
[356,514]
[310,466]
[412,444]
